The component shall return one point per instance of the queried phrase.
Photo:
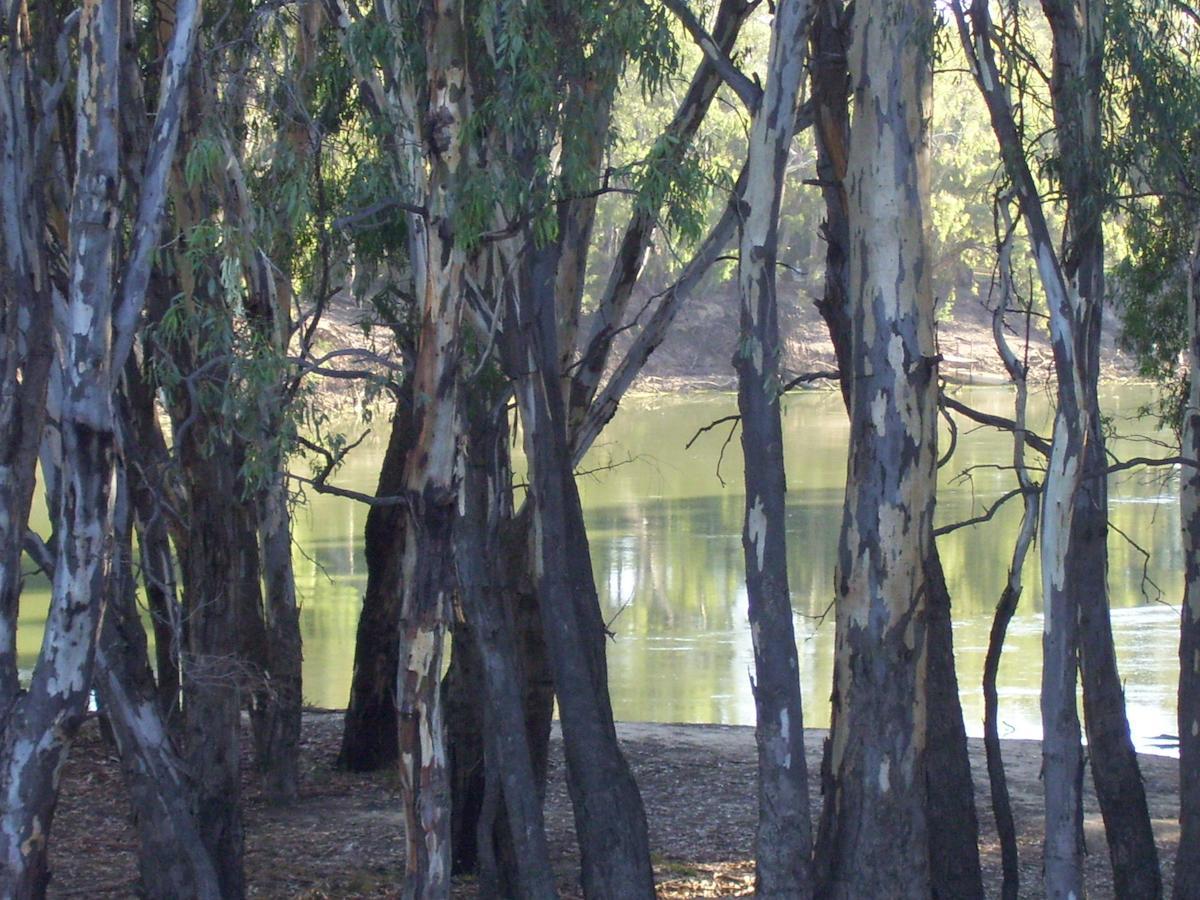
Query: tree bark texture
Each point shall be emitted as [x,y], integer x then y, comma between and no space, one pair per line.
[1187,858]
[512,785]
[1062,755]
[610,820]
[783,840]
[431,478]
[45,719]
[1077,83]
[877,841]
[26,301]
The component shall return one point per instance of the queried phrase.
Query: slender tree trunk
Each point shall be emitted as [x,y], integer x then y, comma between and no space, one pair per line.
[783,841]
[877,841]
[1062,756]
[43,722]
[172,858]
[1077,27]
[369,735]
[485,502]
[26,351]
[279,750]
[1187,858]
[610,820]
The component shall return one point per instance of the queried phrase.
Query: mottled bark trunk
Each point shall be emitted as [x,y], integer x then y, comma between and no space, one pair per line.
[1077,28]
[431,479]
[369,735]
[1062,756]
[609,817]
[1187,858]
[172,859]
[876,841]
[43,721]
[783,841]
[26,351]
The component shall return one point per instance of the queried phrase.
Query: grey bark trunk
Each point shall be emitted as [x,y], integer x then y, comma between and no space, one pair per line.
[875,836]
[783,841]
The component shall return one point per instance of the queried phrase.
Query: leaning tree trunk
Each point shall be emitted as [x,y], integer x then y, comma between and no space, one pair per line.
[877,838]
[1187,859]
[610,820]
[369,734]
[783,840]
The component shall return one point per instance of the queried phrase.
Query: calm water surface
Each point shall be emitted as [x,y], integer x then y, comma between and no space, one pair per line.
[666,546]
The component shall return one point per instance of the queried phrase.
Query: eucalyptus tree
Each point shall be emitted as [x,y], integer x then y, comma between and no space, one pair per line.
[950,801]
[97,306]
[1062,753]
[874,836]
[1153,47]
[783,840]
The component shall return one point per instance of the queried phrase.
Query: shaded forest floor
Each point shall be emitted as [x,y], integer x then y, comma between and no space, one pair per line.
[345,837]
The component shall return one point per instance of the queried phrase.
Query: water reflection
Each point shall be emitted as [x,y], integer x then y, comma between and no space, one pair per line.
[666,545]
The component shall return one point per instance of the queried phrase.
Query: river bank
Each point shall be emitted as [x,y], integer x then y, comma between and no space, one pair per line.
[345,836]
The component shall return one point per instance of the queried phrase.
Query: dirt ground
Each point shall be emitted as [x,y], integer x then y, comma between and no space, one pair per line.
[345,837]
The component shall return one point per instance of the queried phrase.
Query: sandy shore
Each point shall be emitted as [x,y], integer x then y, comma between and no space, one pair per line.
[345,837]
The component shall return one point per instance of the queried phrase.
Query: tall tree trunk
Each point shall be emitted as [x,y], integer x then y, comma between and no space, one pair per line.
[172,858]
[369,735]
[1077,27]
[1187,858]
[783,841]
[876,842]
[610,820]
[43,722]
[1062,755]
[213,673]
[26,351]
[431,480]
[486,502]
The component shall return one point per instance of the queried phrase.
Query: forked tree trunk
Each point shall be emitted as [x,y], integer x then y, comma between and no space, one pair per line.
[1062,754]
[1077,28]
[1187,858]
[610,820]
[43,721]
[876,839]
[783,840]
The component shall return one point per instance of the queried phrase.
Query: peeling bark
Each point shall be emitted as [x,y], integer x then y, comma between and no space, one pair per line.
[783,841]
[874,840]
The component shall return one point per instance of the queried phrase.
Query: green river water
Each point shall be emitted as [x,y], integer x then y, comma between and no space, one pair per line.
[666,548]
